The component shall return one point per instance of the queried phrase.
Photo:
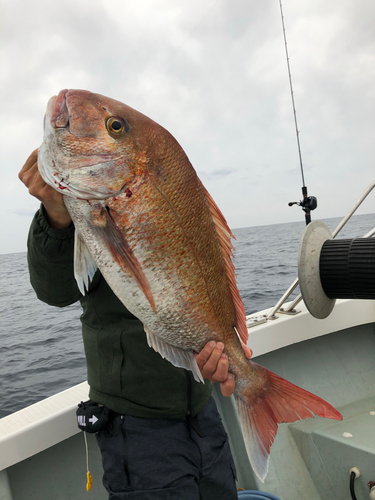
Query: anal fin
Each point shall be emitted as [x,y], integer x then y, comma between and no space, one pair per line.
[178,357]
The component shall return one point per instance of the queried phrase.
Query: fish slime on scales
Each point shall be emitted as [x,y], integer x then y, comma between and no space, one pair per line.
[139,208]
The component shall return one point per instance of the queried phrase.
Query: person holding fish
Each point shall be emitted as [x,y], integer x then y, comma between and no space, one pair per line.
[156,421]
[127,228]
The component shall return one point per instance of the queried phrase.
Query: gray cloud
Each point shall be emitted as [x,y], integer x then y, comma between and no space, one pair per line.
[214,74]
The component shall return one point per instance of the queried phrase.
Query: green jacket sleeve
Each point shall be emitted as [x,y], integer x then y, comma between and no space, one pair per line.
[50,259]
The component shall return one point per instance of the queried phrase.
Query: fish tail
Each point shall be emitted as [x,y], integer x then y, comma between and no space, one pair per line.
[281,401]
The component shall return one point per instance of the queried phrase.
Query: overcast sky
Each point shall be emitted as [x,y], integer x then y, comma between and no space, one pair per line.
[214,74]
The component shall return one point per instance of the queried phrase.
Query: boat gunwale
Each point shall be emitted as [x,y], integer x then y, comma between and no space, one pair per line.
[53,420]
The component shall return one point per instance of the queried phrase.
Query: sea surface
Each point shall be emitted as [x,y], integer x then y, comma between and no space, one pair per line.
[41,351]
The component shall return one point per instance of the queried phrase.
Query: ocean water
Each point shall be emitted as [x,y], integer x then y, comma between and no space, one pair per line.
[41,351]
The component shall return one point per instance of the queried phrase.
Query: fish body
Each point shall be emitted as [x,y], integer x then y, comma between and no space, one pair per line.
[143,217]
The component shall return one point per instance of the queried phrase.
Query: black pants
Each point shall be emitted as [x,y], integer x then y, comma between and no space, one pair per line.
[149,459]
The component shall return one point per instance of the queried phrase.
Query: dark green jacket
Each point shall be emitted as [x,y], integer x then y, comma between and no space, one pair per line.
[123,372]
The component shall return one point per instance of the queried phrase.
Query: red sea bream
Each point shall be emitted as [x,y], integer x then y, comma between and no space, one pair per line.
[143,218]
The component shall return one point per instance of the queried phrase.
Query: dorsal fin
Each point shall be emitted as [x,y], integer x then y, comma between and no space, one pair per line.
[225,234]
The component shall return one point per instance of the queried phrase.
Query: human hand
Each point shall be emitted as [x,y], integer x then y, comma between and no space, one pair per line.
[213,364]
[58,216]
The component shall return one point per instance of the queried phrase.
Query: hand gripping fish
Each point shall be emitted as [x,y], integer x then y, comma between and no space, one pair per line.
[143,218]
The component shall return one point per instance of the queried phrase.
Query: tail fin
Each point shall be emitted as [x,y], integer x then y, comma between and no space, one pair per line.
[281,402]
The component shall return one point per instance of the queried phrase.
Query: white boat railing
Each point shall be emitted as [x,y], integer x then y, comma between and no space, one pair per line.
[291,306]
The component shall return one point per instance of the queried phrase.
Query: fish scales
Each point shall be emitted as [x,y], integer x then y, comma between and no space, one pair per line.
[143,217]
[156,213]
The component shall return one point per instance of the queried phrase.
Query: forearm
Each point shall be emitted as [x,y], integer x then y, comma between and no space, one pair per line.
[56,214]
[50,260]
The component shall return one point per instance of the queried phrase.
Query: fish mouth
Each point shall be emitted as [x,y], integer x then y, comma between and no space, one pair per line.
[58,110]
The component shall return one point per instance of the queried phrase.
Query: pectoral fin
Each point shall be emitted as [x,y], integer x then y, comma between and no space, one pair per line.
[121,252]
[178,357]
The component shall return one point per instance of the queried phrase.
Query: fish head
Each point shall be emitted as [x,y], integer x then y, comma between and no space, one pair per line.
[93,146]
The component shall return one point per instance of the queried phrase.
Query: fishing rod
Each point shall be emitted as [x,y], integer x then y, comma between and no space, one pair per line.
[308,203]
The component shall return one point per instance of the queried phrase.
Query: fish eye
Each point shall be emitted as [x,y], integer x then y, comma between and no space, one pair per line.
[115,125]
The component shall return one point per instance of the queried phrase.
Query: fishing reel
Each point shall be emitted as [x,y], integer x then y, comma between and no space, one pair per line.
[308,203]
